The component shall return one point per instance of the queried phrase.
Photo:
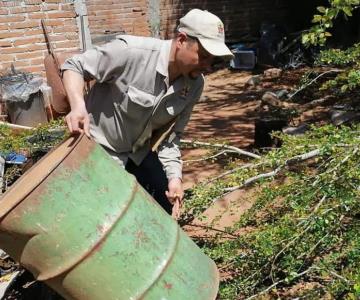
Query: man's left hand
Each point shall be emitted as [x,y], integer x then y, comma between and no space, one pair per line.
[175,190]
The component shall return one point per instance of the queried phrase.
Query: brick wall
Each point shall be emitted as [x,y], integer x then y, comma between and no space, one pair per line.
[116,16]
[239,17]
[22,41]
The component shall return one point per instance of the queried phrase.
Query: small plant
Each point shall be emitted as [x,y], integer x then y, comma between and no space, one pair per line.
[348,59]
[318,34]
[304,229]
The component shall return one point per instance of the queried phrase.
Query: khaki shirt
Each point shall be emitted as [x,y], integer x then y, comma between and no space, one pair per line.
[131,98]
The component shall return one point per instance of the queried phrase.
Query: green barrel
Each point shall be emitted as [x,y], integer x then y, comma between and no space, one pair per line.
[84,226]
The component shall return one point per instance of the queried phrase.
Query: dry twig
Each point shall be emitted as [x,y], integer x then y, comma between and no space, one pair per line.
[220,146]
[314,80]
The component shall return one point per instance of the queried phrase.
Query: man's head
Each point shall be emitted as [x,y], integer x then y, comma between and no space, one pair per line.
[199,41]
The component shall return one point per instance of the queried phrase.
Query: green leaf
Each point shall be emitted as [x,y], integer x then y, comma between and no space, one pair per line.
[321,9]
[347,11]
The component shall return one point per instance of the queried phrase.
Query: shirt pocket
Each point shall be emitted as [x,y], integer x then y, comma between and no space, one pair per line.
[174,105]
[139,104]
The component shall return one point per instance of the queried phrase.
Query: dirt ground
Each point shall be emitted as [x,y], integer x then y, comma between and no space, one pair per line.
[227,112]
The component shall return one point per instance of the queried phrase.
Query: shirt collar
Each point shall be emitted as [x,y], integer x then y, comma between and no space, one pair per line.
[162,65]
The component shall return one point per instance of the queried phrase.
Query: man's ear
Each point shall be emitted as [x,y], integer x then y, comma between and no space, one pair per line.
[181,39]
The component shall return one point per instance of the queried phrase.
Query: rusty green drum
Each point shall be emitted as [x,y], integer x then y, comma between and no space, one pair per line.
[84,226]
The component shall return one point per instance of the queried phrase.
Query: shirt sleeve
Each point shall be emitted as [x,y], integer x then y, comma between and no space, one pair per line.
[100,63]
[169,150]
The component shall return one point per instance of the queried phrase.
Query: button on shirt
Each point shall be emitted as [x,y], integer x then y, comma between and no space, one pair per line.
[132,98]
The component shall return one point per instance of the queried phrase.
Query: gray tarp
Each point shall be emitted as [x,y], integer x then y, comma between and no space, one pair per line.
[18,87]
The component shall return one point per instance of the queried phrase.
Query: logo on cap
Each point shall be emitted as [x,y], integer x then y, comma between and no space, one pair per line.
[220,28]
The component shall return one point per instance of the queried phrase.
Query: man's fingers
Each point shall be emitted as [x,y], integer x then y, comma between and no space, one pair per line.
[176,210]
[87,126]
[68,122]
[172,197]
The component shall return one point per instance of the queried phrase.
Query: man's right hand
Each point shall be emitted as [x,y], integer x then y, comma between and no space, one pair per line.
[78,120]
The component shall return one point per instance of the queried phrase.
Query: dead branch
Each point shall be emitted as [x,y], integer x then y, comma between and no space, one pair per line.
[277,283]
[273,173]
[220,146]
[314,80]
[209,157]
[253,179]
[16,127]
[232,171]
[316,102]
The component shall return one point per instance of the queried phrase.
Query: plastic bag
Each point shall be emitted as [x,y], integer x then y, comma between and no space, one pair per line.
[18,86]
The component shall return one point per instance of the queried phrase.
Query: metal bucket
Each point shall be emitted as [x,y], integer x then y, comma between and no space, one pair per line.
[85,227]
[29,113]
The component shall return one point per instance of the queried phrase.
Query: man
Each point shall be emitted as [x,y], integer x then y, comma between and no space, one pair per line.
[144,87]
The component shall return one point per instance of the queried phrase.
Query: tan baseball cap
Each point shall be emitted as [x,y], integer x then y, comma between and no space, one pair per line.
[208,29]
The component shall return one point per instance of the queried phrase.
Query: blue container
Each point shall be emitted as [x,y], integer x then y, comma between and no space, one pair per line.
[244,57]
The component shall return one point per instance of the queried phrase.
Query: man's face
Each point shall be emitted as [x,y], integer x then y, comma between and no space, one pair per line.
[192,59]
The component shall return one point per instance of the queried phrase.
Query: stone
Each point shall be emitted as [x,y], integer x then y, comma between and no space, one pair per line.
[273,73]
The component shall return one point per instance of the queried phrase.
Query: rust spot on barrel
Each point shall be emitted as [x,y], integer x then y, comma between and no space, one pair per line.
[167,285]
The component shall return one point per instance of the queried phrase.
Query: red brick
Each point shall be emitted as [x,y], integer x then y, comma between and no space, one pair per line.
[34,47]
[5,67]
[66,28]
[27,9]
[31,32]
[54,1]
[47,7]
[26,24]
[27,41]
[67,44]
[17,10]
[54,22]
[4,26]
[64,14]
[10,3]
[6,57]
[40,15]
[33,8]
[3,11]
[67,6]
[5,43]
[29,55]
[21,63]
[72,36]
[7,34]
[12,50]
[8,19]
[32,2]
[34,69]
[57,38]
[28,48]
[37,61]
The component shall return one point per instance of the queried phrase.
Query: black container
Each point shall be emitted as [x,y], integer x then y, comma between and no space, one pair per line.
[263,129]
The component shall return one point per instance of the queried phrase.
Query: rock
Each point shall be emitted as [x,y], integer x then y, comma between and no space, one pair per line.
[254,80]
[301,129]
[272,99]
[282,94]
[273,73]
[339,117]
[267,85]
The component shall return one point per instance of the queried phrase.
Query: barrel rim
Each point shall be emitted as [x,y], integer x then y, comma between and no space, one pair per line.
[33,177]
